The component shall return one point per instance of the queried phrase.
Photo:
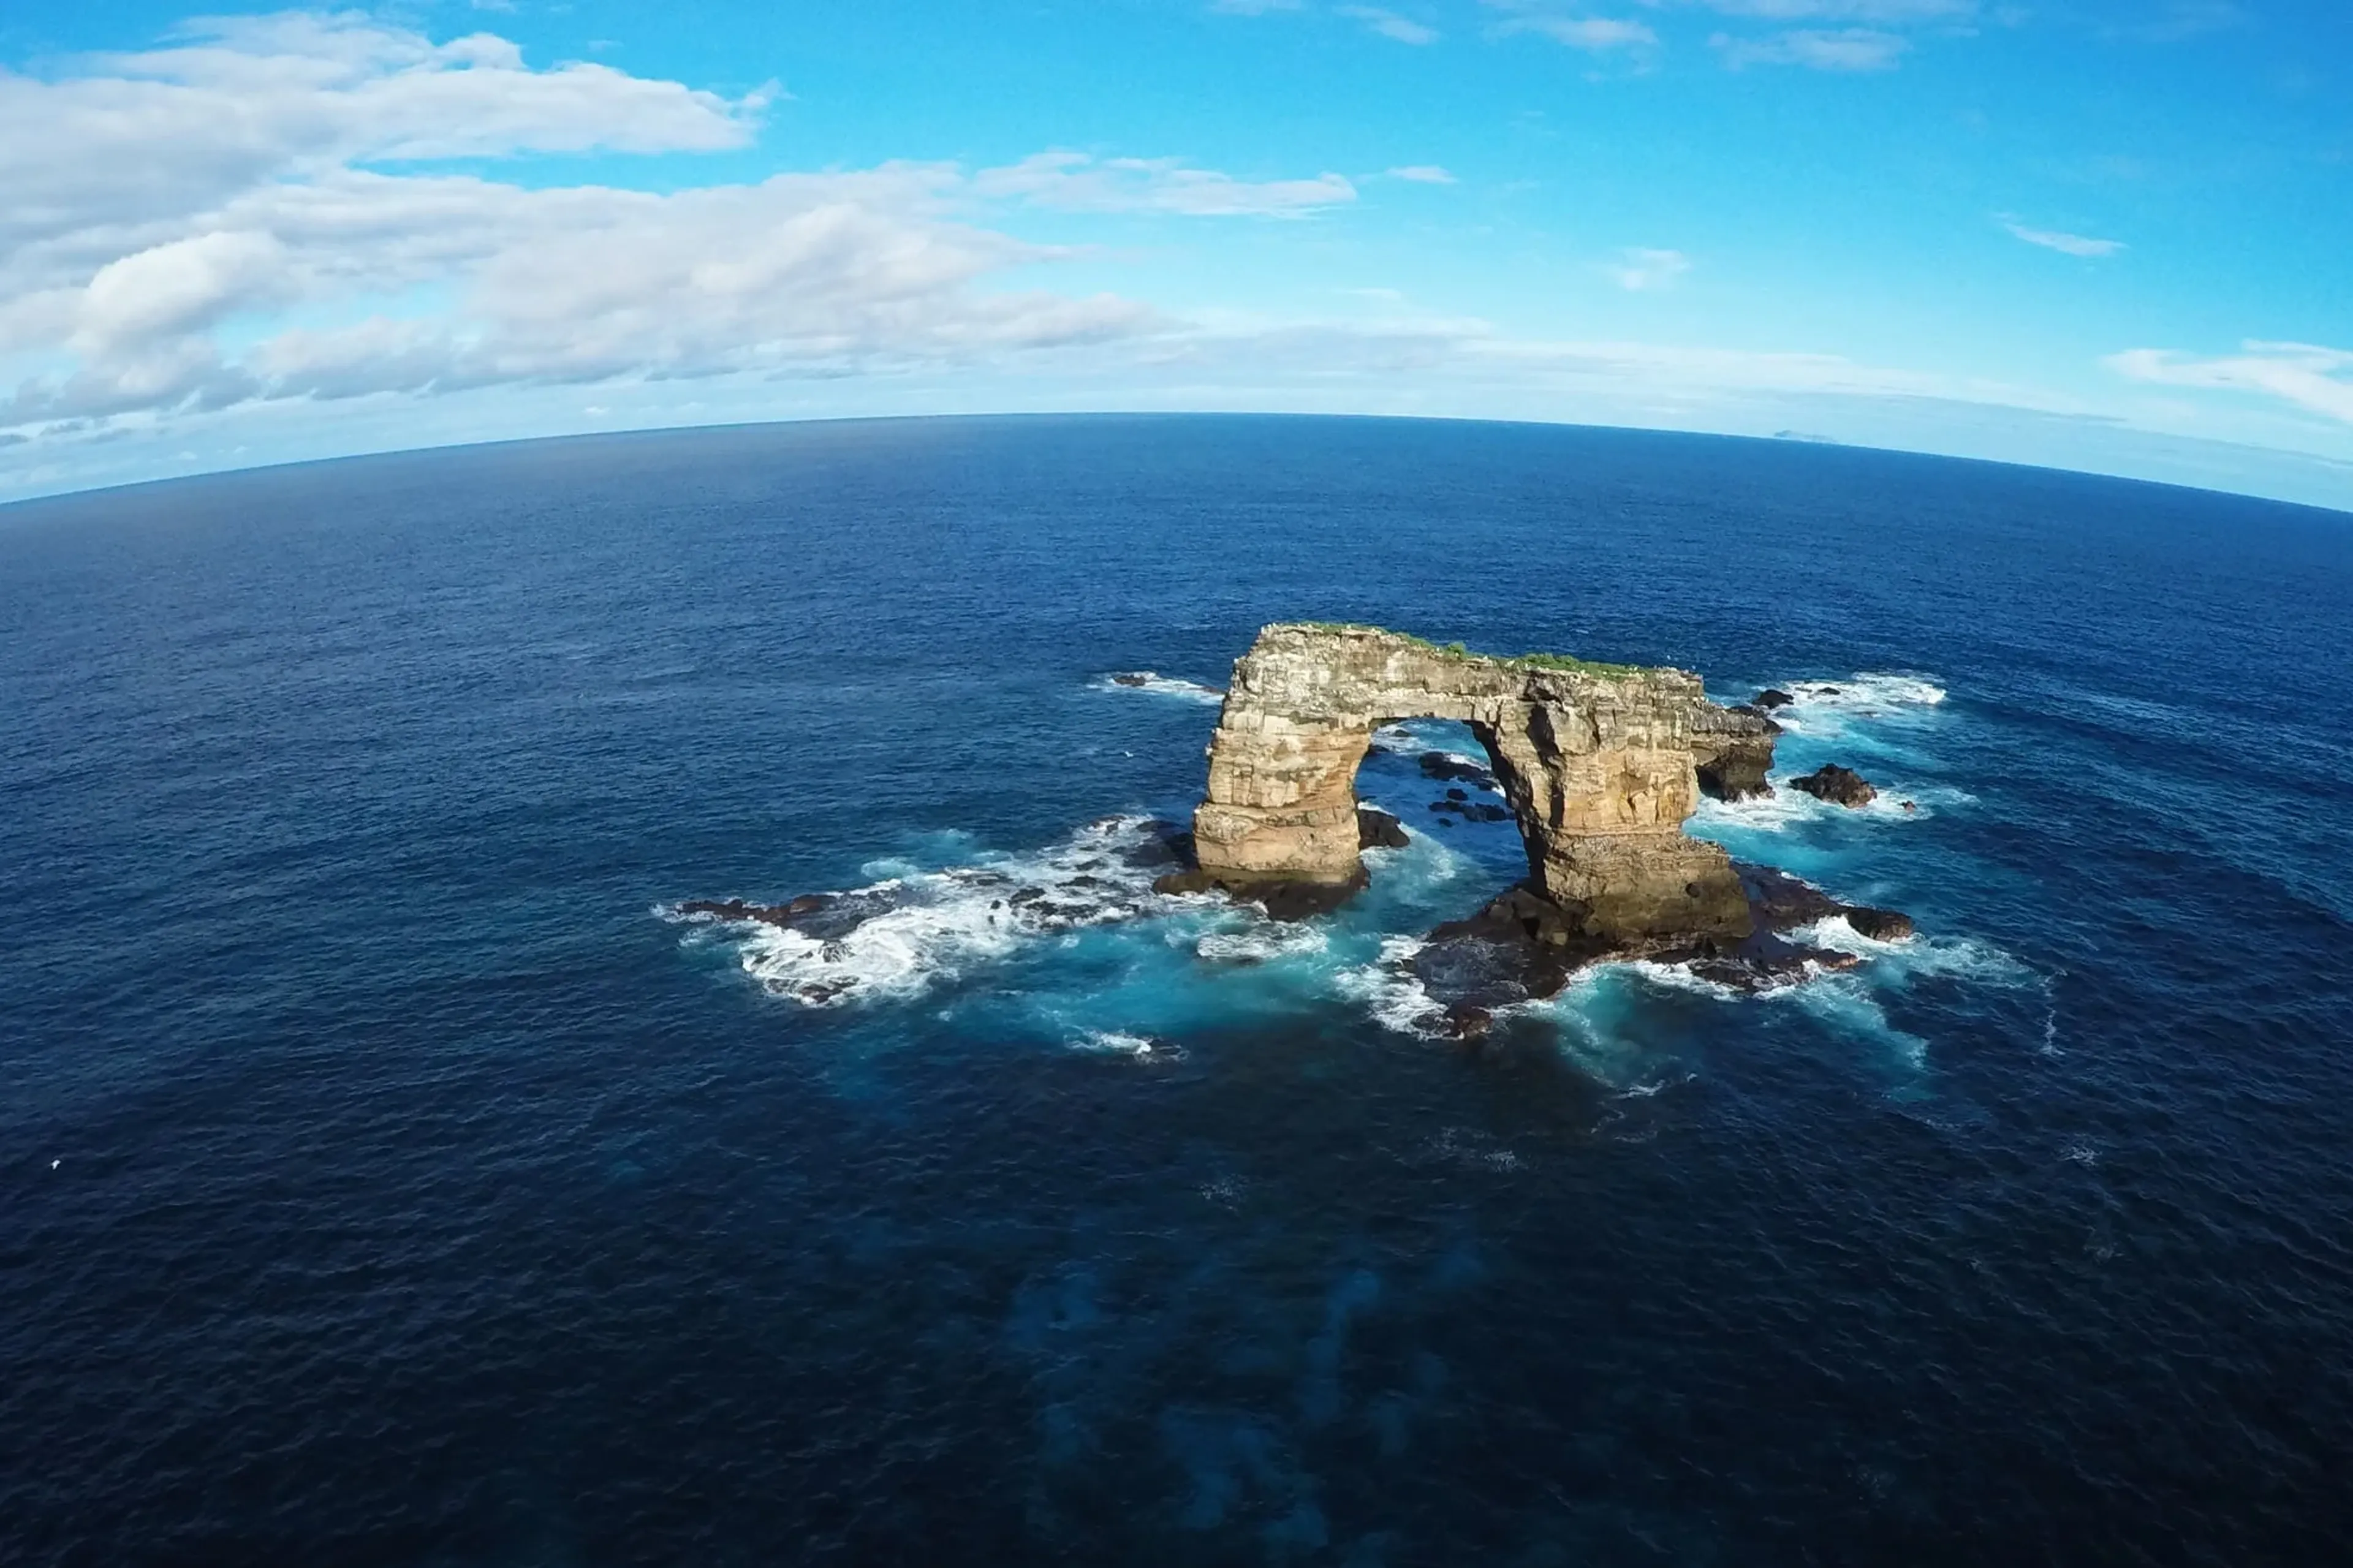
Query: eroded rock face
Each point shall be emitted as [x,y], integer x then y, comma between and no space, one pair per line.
[1732,751]
[1598,766]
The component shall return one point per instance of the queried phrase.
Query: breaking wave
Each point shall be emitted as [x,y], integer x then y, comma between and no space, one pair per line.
[899,936]
[1159,686]
[1392,991]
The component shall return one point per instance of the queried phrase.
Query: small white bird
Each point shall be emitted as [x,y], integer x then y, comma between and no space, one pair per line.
[53,1164]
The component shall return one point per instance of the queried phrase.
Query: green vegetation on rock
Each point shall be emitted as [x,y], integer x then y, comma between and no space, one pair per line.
[1570,663]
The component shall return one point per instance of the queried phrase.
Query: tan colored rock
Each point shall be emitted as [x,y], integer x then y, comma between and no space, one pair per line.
[1596,761]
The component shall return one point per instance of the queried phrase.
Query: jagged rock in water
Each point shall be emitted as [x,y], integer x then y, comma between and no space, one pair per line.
[1782,901]
[1772,697]
[1732,752]
[784,914]
[1598,765]
[1376,829]
[1442,766]
[1522,945]
[1841,786]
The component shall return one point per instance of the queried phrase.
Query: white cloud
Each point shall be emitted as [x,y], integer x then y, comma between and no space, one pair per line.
[1884,13]
[1599,34]
[1837,49]
[2055,239]
[118,157]
[1638,268]
[1076,182]
[239,215]
[1422,174]
[1390,24]
[2306,374]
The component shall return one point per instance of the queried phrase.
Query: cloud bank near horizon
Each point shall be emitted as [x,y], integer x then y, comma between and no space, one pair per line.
[303,210]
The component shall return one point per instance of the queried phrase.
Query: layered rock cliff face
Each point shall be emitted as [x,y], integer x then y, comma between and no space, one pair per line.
[1598,761]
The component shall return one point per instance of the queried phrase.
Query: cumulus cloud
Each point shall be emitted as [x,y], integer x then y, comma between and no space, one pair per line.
[2306,374]
[1638,268]
[2059,240]
[134,144]
[1832,49]
[1076,182]
[250,211]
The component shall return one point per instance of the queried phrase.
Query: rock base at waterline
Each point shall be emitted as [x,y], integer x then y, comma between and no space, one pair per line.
[1524,947]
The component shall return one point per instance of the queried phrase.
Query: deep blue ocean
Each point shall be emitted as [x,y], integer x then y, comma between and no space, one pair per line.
[386,1176]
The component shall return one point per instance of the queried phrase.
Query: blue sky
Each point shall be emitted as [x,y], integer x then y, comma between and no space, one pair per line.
[2109,236]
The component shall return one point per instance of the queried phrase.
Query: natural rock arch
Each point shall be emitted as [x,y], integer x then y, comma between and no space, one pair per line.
[1599,765]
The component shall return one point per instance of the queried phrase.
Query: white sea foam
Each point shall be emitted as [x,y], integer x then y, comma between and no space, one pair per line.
[1959,957]
[1786,807]
[1867,691]
[1119,1042]
[1159,685]
[1412,737]
[1678,977]
[1392,991]
[1260,942]
[898,936]
[1845,1003]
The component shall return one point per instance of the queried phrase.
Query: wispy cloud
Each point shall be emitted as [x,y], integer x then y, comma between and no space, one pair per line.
[1422,174]
[1638,268]
[1884,13]
[2059,240]
[1596,33]
[1076,182]
[1835,49]
[1390,24]
[2306,374]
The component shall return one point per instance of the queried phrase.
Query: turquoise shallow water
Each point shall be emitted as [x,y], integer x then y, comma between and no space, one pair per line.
[385,1179]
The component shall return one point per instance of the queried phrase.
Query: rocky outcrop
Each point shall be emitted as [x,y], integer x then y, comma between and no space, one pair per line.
[1598,765]
[1376,829]
[1519,946]
[784,914]
[1732,751]
[1840,787]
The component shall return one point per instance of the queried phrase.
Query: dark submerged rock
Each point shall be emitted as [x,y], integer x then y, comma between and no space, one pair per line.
[1773,697]
[1444,766]
[1879,925]
[1524,945]
[737,910]
[1132,678]
[1376,829]
[1781,902]
[1283,899]
[1840,787]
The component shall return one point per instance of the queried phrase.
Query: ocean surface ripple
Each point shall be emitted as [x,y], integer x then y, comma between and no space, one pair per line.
[388,1175]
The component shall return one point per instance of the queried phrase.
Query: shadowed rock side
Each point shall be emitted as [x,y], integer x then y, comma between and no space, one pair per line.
[1599,764]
